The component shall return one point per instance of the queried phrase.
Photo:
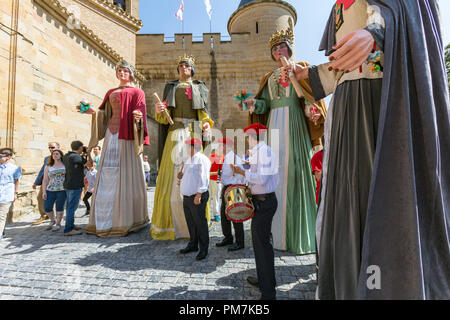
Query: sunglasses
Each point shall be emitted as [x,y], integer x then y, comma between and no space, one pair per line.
[52,147]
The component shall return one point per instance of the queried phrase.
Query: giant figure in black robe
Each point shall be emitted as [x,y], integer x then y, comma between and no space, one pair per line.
[386,202]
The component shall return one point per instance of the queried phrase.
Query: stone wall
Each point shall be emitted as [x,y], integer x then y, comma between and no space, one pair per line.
[222,65]
[5,18]
[117,30]
[56,68]
[225,66]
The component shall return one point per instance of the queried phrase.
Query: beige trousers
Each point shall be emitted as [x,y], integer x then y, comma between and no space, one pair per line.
[4,210]
[40,201]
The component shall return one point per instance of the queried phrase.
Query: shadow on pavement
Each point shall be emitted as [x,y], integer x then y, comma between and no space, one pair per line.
[237,281]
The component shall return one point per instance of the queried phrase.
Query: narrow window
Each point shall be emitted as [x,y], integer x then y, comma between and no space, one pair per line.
[257,27]
[121,4]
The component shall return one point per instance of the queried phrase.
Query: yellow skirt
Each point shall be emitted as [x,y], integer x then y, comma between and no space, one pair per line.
[168,220]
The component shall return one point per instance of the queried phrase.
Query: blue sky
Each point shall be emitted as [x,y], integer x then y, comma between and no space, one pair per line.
[312,16]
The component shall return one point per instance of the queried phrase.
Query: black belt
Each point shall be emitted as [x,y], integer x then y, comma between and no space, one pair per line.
[193,196]
[263,197]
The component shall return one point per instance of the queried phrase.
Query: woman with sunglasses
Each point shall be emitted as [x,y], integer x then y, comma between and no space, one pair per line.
[53,189]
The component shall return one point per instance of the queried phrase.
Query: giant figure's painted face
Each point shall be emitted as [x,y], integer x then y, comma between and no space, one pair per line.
[281,50]
[124,74]
[185,69]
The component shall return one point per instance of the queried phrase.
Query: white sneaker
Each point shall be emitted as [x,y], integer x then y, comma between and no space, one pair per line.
[56,227]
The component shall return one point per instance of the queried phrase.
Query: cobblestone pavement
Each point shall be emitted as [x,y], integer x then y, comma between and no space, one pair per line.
[39,264]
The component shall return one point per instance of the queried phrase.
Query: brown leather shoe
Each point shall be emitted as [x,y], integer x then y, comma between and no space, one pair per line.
[40,220]
[73,233]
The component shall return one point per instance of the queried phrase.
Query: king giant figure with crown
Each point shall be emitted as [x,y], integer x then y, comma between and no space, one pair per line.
[186,100]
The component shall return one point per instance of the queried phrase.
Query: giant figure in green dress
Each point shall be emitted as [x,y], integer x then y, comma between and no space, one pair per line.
[278,105]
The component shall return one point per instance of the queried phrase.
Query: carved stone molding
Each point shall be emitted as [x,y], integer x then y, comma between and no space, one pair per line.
[109,7]
[61,13]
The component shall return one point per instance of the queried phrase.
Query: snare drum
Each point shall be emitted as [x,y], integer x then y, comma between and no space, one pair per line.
[239,207]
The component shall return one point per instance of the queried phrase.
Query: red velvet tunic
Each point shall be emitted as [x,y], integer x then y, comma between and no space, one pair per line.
[130,99]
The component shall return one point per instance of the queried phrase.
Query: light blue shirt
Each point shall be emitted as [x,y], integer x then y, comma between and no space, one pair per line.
[195,175]
[227,174]
[263,174]
[8,173]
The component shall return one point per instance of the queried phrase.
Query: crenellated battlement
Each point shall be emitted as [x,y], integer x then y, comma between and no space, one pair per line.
[187,42]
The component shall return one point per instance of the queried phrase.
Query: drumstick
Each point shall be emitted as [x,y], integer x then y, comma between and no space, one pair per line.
[293,79]
[181,171]
[166,113]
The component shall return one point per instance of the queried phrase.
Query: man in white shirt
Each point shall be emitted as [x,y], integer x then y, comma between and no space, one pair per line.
[146,170]
[194,188]
[9,185]
[262,180]
[228,178]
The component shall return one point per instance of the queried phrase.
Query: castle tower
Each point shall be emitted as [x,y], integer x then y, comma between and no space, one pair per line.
[260,19]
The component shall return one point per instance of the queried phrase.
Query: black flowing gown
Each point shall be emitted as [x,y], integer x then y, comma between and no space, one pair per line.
[386,199]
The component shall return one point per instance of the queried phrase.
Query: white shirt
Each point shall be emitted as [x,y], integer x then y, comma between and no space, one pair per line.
[146,166]
[90,176]
[263,175]
[195,175]
[227,174]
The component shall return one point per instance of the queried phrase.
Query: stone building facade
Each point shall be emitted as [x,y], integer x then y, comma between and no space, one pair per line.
[54,53]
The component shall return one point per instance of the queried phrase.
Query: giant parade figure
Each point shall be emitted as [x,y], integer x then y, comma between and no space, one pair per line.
[186,102]
[385,207]
[279,106]
[119,200]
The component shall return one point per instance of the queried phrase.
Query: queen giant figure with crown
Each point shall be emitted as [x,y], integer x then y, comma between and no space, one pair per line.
[278,106]
[186,100]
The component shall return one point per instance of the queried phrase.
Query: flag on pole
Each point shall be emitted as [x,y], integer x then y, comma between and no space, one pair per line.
[208,8]
[179,13]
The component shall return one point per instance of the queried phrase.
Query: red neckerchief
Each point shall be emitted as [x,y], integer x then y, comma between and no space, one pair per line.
[347,3]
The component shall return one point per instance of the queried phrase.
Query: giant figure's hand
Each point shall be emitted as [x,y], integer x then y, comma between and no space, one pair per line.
[352,51]
[160,107]
[206,129]
[90,110]
[137,115]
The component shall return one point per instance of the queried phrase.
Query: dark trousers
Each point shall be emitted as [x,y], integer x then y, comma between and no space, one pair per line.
[226,224]
[196,222]
[86,202]
[263,247]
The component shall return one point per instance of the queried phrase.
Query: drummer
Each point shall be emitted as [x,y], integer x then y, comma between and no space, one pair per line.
[228,179]
[262,178]
[194,188]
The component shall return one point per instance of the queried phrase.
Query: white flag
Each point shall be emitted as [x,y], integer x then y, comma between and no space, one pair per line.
[208,8]
[179,13]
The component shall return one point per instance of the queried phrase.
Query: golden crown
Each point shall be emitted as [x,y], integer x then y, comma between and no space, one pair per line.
[282,36]
[189,59]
